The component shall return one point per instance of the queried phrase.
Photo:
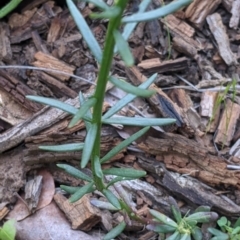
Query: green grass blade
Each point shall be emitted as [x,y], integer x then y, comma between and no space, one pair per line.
[115,231]
[98,3]
[71,147]
[137,121]
[85,107]
[124,172]
[123,48]
[163,218]
[123,144]
[88,145]
[157,13]
[128,29]
[129,88]
[103,205]
[112,198]
[69,189]
[85,31]
[107,14]
[88,114]
[97,167]
[54,103]
[117,179]
[128,98]
[88,188]
[160,228]
[74,172]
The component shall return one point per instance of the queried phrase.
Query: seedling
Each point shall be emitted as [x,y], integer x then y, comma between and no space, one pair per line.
[227,230]
[91,108]
[182,227]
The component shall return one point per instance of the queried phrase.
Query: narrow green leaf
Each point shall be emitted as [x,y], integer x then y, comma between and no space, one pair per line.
[85,31]
[202,217]
[54,103]
[8,230]
[237,223]
[197,233]
[236,231]
[88,188]
[97,167]
[160,228]
[98,3]
[71,147]
[103,205]
[115,231]
[163,218]
[88,145]
[69,189]
[129,88]
[117,179]
[124,172]
[175,236]
[128,29]
[202,209]
[123,144]
[175,210]
[123,48]
[82,111]
[220,235]
[107,14]
[112,198]
[88,114]
[157,13]
[138,121]
[74,172]
[128,98]
[185,236]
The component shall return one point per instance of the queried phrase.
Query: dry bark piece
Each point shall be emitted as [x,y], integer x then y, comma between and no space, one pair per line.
[182,46]
[48,61]
[227,4]
[198,10]
[210,109]
[189,188]
[32,192]
[81,214]
[179,28]
[57,87]
[18,91]
[219,32]
[228,123]
[234,21]
[186,156]
[40,46]
[5,46]
[155,65]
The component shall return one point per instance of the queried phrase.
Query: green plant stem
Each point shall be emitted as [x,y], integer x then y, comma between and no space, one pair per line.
[101,86]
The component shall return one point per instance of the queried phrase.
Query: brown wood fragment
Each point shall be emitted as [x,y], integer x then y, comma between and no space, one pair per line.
[186,156]
[210,109]
[57,87]
[32,192]
[180,97]
[5,48]
[54,31]
[47,61]
[182,46]
[3,212]
[179,28]
[18,91]
[81,214]
[198,10]
[219,32]
[38,42]
[227,125]
[155,65]
[234,21]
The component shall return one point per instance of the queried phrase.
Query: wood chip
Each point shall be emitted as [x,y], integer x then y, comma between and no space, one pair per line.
[48,61]
[82,214]
[219,32]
